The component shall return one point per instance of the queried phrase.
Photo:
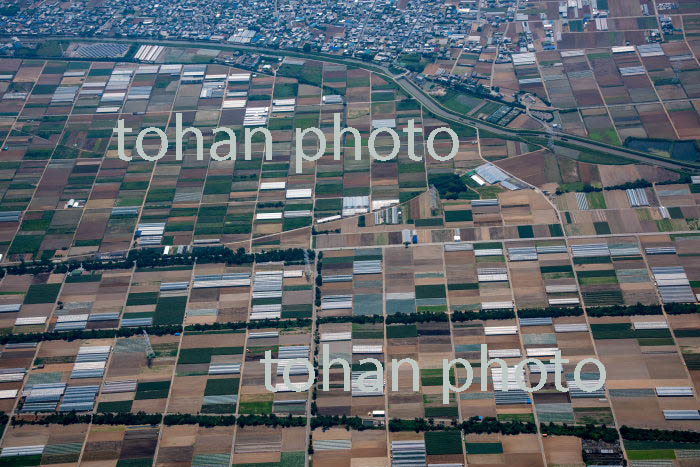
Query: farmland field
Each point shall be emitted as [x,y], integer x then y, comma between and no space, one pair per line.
[139,298]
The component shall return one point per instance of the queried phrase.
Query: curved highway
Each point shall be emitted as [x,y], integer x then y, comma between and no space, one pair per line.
[580,142]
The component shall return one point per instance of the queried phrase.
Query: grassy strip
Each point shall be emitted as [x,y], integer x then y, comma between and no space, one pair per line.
[682,308]
[482,315]
[550,312]
[619,310]
[593,432]
[153,258]
[645,434]
[472,425]
[398,318]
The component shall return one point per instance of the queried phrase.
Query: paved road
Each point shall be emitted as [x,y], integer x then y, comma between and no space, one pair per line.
[417,93]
